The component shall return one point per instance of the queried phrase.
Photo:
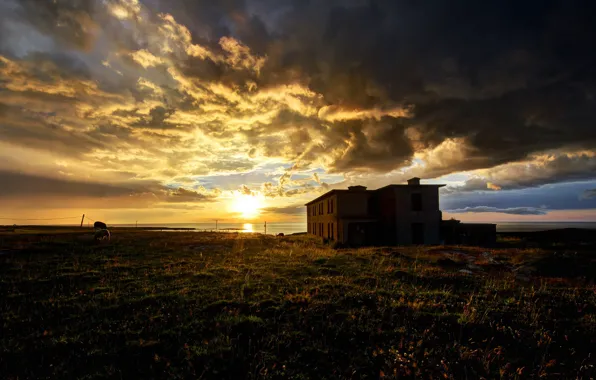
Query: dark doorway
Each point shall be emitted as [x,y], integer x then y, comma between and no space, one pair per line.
[417,233]
[361,233]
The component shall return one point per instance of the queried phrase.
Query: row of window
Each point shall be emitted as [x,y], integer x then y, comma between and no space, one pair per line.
[319,209]
[317,229]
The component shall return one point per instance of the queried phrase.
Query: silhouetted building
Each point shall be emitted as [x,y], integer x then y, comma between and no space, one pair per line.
[394,214]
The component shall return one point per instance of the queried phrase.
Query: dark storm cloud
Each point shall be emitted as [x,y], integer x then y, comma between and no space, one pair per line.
[351,144]
[504,79]
[37,130]
[512,78]
[510,210]
[19,184]
[380,145]
[68,20]
[541,170]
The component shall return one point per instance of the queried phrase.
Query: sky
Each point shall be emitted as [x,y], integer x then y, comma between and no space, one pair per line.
[243,110]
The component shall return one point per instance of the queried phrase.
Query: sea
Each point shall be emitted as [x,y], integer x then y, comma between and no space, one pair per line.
[291,228]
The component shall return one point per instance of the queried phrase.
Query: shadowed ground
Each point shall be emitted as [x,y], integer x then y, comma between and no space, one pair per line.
[189,305]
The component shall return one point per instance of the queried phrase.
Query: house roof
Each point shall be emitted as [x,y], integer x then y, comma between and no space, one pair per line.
[410,186]
[331,192]
[335,191]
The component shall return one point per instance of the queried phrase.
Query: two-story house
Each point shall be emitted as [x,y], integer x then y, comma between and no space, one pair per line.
[394,214]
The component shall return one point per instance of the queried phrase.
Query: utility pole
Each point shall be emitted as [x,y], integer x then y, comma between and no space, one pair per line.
[82,220]
[216,224]
[265,227]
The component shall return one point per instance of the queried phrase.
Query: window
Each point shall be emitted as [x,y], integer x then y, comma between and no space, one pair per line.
[331,202]
[328,229]
[416,202]
[417,233]
[332,237]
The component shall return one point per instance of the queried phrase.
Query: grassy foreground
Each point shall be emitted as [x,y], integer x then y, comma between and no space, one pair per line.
[206,305]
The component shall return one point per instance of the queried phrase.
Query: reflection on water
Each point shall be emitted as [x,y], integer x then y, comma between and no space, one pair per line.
[247,227]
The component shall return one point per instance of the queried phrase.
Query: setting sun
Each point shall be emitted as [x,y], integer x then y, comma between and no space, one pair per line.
[248,206]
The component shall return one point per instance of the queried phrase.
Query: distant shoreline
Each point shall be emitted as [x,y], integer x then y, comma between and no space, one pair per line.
[507,229]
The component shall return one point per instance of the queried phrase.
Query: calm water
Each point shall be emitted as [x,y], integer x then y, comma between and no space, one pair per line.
[272,228]
[290,228]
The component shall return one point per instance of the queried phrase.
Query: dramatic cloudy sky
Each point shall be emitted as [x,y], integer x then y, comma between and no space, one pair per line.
[190,110]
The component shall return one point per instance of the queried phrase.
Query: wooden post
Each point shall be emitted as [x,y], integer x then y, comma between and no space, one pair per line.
[265,227]
[82,220]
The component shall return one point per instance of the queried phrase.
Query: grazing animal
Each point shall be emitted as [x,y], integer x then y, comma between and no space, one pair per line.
[102,235]
[100,226]
[101,231]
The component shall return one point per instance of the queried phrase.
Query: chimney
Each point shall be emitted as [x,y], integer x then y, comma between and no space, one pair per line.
[414,181]
[357,188]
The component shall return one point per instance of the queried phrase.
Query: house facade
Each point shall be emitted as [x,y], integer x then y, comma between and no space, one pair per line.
[394,214]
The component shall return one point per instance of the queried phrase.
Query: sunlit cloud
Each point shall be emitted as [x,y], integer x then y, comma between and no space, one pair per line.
[203,99]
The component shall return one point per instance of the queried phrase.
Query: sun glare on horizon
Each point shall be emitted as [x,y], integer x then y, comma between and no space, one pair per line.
[248,206]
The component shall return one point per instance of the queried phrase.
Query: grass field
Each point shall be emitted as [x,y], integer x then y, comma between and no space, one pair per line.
[207,305]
